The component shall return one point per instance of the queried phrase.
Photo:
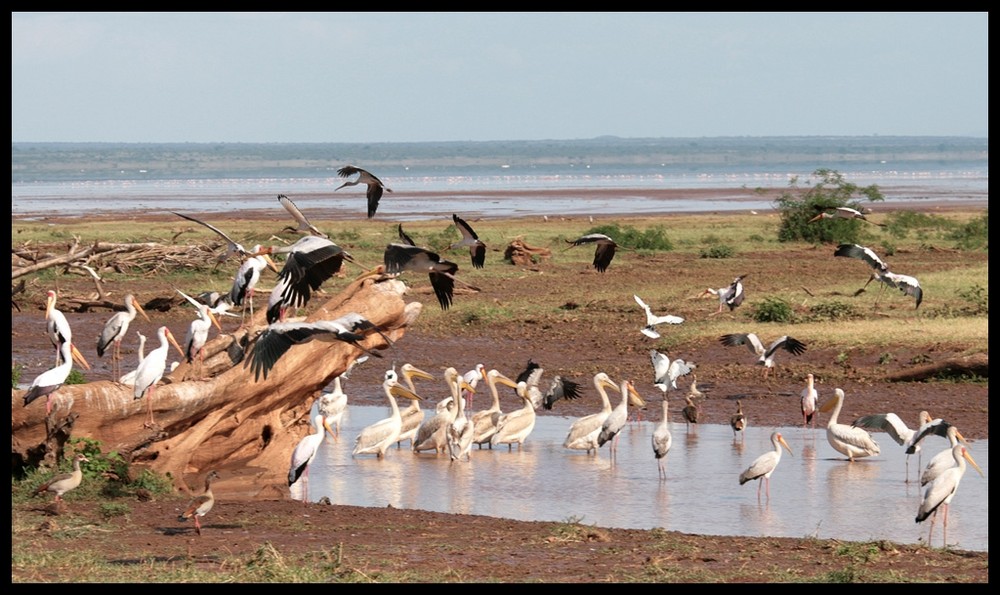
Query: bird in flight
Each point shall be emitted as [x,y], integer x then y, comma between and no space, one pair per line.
[844,213]
[605,249]
[469,238]
[731,296]
[652,320]
[375,185]
[765,357]
[880,270]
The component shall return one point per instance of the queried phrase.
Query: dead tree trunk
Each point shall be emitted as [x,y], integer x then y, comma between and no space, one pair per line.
[222,418]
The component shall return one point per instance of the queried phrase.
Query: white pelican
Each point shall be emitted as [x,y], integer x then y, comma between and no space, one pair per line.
[666,372]
[652,320]
[690,411]
[605,249]
[197,334]
[477,249]
[897,429]
[942,460]
[201,504]
[379,436]
[662,440]
[515,426]
[412,416]
[303,224]
[115,329]
[232,246]
[375,185]
[65,482]
[433,433]
[311,261]
[738,421]
[304,453]
[765,357]
[279,337]
[49,381]
[844,213]
[484,422]
[460,434]
[129,377]
[764,465]
[730,296]
[60,332]
[247,277]
[404,257]
[151,370]
[852,442]
[584,431]
[809,401]
[941,491]
[880,270]
[617,419]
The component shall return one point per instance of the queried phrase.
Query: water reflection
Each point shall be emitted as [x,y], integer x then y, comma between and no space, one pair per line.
[814,493]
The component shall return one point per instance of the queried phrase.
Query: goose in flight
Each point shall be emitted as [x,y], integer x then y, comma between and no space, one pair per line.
[375,185]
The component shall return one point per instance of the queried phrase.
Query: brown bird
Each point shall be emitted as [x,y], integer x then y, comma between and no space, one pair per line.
[738,421]
[690,411]
[200,505]
[64,482]
[375,185]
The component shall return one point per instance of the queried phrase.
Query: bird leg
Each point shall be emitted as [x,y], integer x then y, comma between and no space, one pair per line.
[197,525]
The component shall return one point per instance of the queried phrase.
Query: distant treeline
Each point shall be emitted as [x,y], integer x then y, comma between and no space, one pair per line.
[90,161]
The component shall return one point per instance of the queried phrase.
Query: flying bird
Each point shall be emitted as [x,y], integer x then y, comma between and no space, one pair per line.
[375,185]
[764,465]
[403,237]
[604,252]
[897,429]
[730,296]
[653,320]
[477,249]
[765,357]
[906,284]
[311,261]
[404,257]
[560,388]
[278,338]
[201,504]
[942,490]
[667,371]
[844,213]
[304,226]
[232,246]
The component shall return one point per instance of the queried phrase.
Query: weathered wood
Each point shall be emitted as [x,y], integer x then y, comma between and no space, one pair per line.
[972,365]
[222,418]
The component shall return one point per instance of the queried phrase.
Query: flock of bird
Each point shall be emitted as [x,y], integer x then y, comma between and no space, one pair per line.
[454,428]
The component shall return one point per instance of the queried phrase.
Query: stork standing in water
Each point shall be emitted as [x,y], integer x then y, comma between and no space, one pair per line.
[808,402]
[375,185]
[612,426]
[764,465]
[730,296]
[114,331]
[304,453]
[942,490]
[662,440]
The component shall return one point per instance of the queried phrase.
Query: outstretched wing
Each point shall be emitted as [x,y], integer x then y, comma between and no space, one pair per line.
[299,217]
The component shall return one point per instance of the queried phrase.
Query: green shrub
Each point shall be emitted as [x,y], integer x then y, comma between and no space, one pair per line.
[75,377]
[972,235]
[653,238]
[15,374]
[773,309]
[833,311]
[718,251]
[798,206]
[978,298]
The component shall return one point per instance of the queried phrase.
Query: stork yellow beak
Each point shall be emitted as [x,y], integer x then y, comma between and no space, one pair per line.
[78,357]
[170,337]
[138,308]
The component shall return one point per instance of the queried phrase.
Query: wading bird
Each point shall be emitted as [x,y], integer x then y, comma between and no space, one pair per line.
[666,372]
[485,422]
[514,427]
[49,381]
[616,420]
[662,440]
[852,442]
[809,398]
[114,331]
[604,252]
[379,436]
[764,465]
[375,185]
[897,429]
[64,482]
[278,338]
[460,434]
[152,368]
[906,284]
[332,404]
[404,257]
[201,504]
[652,320]
[844,213]
[941,491]
[738,421]
[311,261]
[412,416]
[942,460]
[304,453]
[765,357]
[477,249]
[584,431]
[232,246]
[690,412]
[730,296]
[433,433]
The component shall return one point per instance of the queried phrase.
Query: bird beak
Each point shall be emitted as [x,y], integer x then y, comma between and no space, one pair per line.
[815,218]
[339,187]
[609,384]
[781,439]
[960,437]
[827,405]
[505,380]
[327,427]
[968,457]
[170,337]
[419,374]
[270,263]
[78,357]
[634,397]
[402,391]
[466,386]
[214,320]
[138,307]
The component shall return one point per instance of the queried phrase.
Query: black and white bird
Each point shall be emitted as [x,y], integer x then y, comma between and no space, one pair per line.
[903,435]
[667,371]
[942,490]
[375,185]
[653,320]
[605,251]
[246,279]
[730,296]
[764,465]
[404,257]
[115,329]
[844,213]
[311,261]
[232,246]
[197,334]
[278,338]
[906,284]
[662,439]
[765,357]
[477,249]
[304,226]
[560,388]
[59,331]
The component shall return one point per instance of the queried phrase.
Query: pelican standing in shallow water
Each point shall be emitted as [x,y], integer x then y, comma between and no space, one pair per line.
[433,433]
[852,442]
[485,422]
[584,431]
[379,436]
[514,427]
[412,416]
[764,465]
[616,420]
[941,491]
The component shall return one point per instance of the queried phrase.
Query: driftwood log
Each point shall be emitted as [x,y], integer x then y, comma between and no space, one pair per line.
[971,365]
[215,415]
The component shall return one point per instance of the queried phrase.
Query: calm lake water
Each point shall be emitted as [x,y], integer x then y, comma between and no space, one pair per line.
[814,493]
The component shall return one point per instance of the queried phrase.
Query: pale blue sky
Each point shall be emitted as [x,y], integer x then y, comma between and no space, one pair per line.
[402,77]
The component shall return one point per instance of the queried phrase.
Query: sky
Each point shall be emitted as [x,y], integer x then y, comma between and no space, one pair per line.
[417,77]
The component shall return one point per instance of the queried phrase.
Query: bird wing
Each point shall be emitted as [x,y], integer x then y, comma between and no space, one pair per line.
[234,246]
[374,195]
[603,255]
[299,217]
[678,368]
[562,388]
[661,366]
[889,423]
[862,253]
[749,339]
[405,238]
[463,227]
[789,344]
[349,170]
[935,427]
[530,369]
